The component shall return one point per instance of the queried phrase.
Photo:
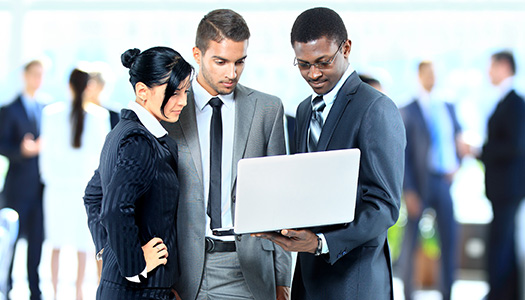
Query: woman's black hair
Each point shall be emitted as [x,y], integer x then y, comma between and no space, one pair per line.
[157,66]
[78,81]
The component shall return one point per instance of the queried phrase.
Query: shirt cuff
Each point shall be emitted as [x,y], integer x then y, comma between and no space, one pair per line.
[136,277]
[99,254]
[324,248]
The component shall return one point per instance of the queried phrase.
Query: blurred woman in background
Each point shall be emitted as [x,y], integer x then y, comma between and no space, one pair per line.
[72,137]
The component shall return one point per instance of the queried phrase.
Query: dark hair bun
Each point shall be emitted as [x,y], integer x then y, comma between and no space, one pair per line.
[129,57]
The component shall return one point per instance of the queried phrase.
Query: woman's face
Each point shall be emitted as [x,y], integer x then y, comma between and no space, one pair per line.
[175,104]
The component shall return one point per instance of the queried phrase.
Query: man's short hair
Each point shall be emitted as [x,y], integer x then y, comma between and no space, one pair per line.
[31,64]
[506,57]
[316,23]
[221,24]
[423,64]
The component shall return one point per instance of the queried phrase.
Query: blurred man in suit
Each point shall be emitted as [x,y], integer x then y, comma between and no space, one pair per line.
[345,261]
[432,158]
[223,122]
[19,142]
[373,82]
[504,157]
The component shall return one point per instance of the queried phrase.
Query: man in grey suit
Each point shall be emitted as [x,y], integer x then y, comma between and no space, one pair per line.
[222,123]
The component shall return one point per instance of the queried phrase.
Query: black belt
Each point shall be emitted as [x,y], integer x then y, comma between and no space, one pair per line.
[213,245]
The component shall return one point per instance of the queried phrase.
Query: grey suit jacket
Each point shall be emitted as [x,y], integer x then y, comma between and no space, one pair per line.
[258,132]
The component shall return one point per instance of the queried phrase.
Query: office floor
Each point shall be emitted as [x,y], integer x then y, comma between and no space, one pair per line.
[472,289]
[462,289]
[66,278]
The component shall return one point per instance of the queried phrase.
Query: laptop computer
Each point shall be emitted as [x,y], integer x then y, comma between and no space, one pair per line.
[296,191]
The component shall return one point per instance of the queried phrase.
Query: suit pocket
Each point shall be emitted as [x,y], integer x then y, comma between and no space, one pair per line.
[267,245]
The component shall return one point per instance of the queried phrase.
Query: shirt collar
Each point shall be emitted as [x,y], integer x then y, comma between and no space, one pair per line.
[147,119]
[202,96]
[329,98]
[505,86]
[28,101]
[424,97]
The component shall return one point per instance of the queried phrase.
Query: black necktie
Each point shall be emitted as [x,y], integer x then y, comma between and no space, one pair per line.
[316,123]
[214,197]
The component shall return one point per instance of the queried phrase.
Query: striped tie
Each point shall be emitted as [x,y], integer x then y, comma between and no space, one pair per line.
[316,123]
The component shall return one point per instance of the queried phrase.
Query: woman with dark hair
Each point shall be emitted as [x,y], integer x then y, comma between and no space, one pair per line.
[72,136]
[131,201]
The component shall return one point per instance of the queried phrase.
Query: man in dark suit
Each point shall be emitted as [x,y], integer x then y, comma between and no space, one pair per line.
[433,140]
[19,132]
[346,261]
[504,157]
[250,125]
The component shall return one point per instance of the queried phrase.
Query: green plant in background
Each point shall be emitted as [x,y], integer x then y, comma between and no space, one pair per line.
[427,234]
[395,238]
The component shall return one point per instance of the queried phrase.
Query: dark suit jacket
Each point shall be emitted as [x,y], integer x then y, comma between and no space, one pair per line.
[131,199]
[418,146]
[504,152]
[114,117]
[358,265]
[22,188]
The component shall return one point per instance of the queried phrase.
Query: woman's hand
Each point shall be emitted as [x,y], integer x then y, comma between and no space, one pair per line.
[155,253]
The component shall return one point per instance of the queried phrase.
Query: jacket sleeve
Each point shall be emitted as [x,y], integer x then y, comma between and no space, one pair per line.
[409,182]
[507,134]
[131,178]
[277,146]
[9,142]
[381,139]
[93,204]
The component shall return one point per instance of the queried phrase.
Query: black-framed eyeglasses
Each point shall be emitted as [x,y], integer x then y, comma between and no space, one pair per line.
[319,65]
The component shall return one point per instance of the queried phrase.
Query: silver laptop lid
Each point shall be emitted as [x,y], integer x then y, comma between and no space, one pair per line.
[296,191]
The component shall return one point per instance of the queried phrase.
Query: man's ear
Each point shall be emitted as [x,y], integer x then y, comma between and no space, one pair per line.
[347,47]
[197,55]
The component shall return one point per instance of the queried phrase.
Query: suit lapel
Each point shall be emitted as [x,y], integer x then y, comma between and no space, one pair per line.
[302,125]
[417,111]
[188,124]
[344,96]
[244,110]
[27,123]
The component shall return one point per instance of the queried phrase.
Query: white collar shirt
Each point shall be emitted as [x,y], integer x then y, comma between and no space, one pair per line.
[203,114]
[147,119]
[329,98]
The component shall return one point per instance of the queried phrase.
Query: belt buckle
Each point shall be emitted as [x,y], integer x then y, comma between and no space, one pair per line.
[210,245]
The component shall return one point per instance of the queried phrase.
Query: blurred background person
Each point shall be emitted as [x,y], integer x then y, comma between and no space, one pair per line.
[504,157]
[432,158]
[373,82]
[97,74]
[20,143]
[73,134]
[96,84]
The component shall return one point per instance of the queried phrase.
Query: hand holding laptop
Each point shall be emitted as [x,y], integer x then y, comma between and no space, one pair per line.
[302,240]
